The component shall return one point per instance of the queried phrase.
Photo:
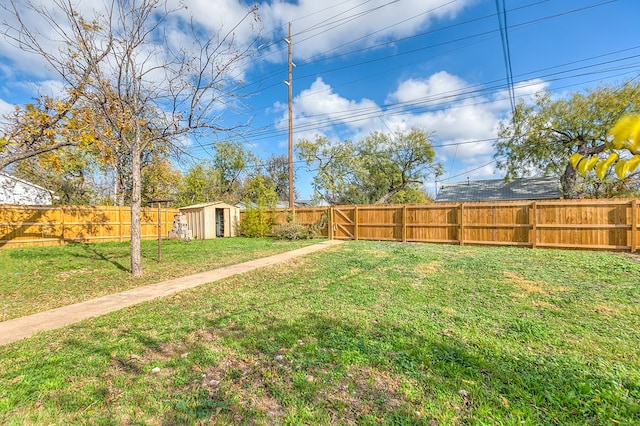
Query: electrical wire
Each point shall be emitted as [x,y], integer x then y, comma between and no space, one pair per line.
[395,56]
[506,51]
[469,93]
[362,114]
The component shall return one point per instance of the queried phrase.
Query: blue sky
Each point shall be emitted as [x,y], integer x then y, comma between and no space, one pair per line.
[387,65]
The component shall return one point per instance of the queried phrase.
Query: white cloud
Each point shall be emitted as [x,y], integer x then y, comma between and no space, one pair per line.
[329,26]
[439,88]
[524,91]
[319,110]
[465,126]
[321,27]
[218,16]
[5,108]
[52,88]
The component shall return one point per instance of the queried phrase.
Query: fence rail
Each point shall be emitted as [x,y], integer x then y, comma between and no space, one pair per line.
[52,225]
[576,224]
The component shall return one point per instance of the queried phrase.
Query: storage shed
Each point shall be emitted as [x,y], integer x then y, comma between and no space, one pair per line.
[212,220]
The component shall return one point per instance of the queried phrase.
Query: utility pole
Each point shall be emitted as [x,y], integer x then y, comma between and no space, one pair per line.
[289,83]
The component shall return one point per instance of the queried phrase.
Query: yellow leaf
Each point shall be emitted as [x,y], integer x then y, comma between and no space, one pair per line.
[633,163]
[622,169]
[586,164]
[582,166]
[591,163]
[603,165]
[505,401]
[575,159]
[626,128]
[635,135]
[633,144]
[601,168]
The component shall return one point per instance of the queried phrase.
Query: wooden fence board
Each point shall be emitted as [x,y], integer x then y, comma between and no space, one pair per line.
[576,224]
[51,225]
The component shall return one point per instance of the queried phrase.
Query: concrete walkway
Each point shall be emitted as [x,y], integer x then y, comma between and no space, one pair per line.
[23,327]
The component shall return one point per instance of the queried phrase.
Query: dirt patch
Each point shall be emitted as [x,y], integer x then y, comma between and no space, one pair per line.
[379,254]
[426,269]
[607,311]
[65,275]
[525,287]
[366,391]
[633,256]
[540,304]
[245,381]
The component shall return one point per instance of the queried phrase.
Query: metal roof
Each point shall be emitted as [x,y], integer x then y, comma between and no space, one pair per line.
[538,188]
[219,204]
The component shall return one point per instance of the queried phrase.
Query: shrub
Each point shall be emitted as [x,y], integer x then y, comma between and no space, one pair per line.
[290,231]
[256,222]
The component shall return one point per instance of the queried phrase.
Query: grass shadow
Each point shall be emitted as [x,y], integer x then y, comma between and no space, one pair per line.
[377,360]
[94,252]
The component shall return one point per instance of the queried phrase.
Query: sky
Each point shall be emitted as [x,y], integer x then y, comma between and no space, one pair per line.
[390,65]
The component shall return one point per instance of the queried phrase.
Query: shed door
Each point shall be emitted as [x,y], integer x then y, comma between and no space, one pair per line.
[219,222]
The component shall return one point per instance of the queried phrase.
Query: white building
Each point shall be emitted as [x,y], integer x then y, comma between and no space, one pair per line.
[18,191]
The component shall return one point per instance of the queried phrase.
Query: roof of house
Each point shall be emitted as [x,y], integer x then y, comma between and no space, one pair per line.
[14,190]
[24,182]
[539,188]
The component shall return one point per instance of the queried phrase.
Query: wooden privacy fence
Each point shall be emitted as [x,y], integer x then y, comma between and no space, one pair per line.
[51,225]
[577,224]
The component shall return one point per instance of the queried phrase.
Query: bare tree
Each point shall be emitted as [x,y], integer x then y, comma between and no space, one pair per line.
[124,63]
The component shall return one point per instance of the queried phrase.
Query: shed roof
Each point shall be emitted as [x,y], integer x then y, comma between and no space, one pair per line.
[218,204]
[538,188]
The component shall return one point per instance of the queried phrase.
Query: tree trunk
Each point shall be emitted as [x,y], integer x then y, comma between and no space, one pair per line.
[387,196]
[568,182]
[393,191]
[136,206]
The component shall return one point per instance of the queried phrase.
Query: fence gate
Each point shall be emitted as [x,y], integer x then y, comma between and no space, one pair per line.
[344,223]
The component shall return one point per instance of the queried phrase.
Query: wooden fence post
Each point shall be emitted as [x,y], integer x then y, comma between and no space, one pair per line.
[330,224]
[534,224]
[461,236]
[404,224]
[120,226]
[61,225]
[355,223]
[634,226]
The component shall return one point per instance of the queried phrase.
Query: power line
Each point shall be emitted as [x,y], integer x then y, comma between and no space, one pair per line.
[479,92]
[394,56]
[506,52]
[469,92]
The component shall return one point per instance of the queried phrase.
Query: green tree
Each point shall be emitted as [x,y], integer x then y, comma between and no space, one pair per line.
[68,172]
[232,162]
[275,171]
[541,138]
[119,62]
[261,199]
[200,184]
[261,191]
[371,171]
[160,180]
[412,194]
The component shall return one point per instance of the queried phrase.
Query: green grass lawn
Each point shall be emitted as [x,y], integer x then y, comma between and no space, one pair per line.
[362,333]
[39,278]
